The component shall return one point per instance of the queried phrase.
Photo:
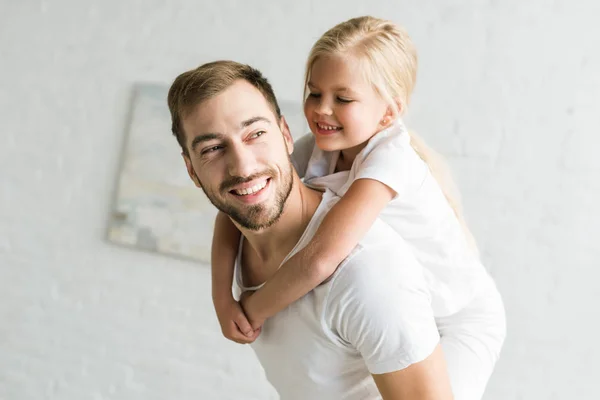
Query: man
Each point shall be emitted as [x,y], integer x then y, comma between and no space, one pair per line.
[368,331]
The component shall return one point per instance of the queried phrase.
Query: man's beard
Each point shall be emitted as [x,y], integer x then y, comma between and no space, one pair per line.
[249,217]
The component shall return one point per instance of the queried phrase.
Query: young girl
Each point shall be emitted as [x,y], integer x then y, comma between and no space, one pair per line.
[359,78]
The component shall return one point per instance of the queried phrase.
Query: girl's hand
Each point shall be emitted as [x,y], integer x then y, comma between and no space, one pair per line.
[234,324]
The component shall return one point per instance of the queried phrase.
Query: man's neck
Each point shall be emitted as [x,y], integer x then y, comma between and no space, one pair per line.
[270,246]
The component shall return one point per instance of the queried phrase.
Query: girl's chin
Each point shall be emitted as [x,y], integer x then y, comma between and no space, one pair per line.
[328,144]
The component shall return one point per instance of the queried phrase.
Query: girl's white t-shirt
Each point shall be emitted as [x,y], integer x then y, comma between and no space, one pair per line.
[419,213]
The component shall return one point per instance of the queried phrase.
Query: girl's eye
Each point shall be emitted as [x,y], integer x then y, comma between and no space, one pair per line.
[342,100]
[315,95]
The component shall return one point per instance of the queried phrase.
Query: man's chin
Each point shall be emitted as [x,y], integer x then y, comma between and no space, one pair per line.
[254,218]
[254,225]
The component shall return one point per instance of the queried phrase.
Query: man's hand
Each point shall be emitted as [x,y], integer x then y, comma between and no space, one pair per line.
[244,299]
[234,324]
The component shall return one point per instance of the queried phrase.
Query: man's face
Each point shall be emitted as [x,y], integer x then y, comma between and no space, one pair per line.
[239,155]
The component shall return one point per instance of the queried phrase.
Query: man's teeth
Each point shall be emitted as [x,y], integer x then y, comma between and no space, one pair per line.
[328,127]
[250,190]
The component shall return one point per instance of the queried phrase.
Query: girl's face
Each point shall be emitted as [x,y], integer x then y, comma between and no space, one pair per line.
[343,110]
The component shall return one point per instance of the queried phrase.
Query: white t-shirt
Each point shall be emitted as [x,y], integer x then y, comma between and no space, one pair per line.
[372,316]
[419,213]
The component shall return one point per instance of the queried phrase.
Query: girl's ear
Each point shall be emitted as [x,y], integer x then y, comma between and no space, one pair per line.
[399,108]
[389,117]
[392,112]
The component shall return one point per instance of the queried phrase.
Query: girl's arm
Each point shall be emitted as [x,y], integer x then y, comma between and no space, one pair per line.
[343,226]
[232,319]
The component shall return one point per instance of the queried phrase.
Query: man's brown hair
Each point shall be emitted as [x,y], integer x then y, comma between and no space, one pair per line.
[208,80]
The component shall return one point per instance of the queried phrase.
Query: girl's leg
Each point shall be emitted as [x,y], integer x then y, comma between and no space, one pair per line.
[471,340]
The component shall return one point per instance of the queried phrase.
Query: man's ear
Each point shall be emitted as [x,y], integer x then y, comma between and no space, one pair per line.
[190,169]
[287,136]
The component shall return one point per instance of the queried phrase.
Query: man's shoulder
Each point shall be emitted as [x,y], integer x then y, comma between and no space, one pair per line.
[380,256]
[380,250]
[379,233]
[379,279]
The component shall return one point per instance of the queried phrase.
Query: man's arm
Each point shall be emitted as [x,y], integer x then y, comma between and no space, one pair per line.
[425,380]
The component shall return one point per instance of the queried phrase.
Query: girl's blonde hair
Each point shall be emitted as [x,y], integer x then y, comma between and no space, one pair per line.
[389,60]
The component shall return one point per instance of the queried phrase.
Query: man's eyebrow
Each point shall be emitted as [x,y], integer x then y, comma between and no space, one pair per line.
[253,120]
[205,137]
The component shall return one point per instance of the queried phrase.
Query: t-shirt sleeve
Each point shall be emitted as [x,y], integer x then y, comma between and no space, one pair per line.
[393,162]
[383,311]
[303,149]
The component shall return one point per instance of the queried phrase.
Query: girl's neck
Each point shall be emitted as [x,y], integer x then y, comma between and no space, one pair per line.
[347,156]
[344,162]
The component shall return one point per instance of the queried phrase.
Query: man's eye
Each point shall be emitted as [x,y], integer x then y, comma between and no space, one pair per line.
[257,134]
[212,149]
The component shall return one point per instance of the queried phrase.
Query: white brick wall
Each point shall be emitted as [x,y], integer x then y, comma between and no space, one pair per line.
[508,90]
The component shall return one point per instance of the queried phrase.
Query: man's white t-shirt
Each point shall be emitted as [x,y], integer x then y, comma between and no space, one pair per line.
[372,316]
[419,213]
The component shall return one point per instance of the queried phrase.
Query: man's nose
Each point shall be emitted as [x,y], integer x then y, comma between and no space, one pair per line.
[241,161]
